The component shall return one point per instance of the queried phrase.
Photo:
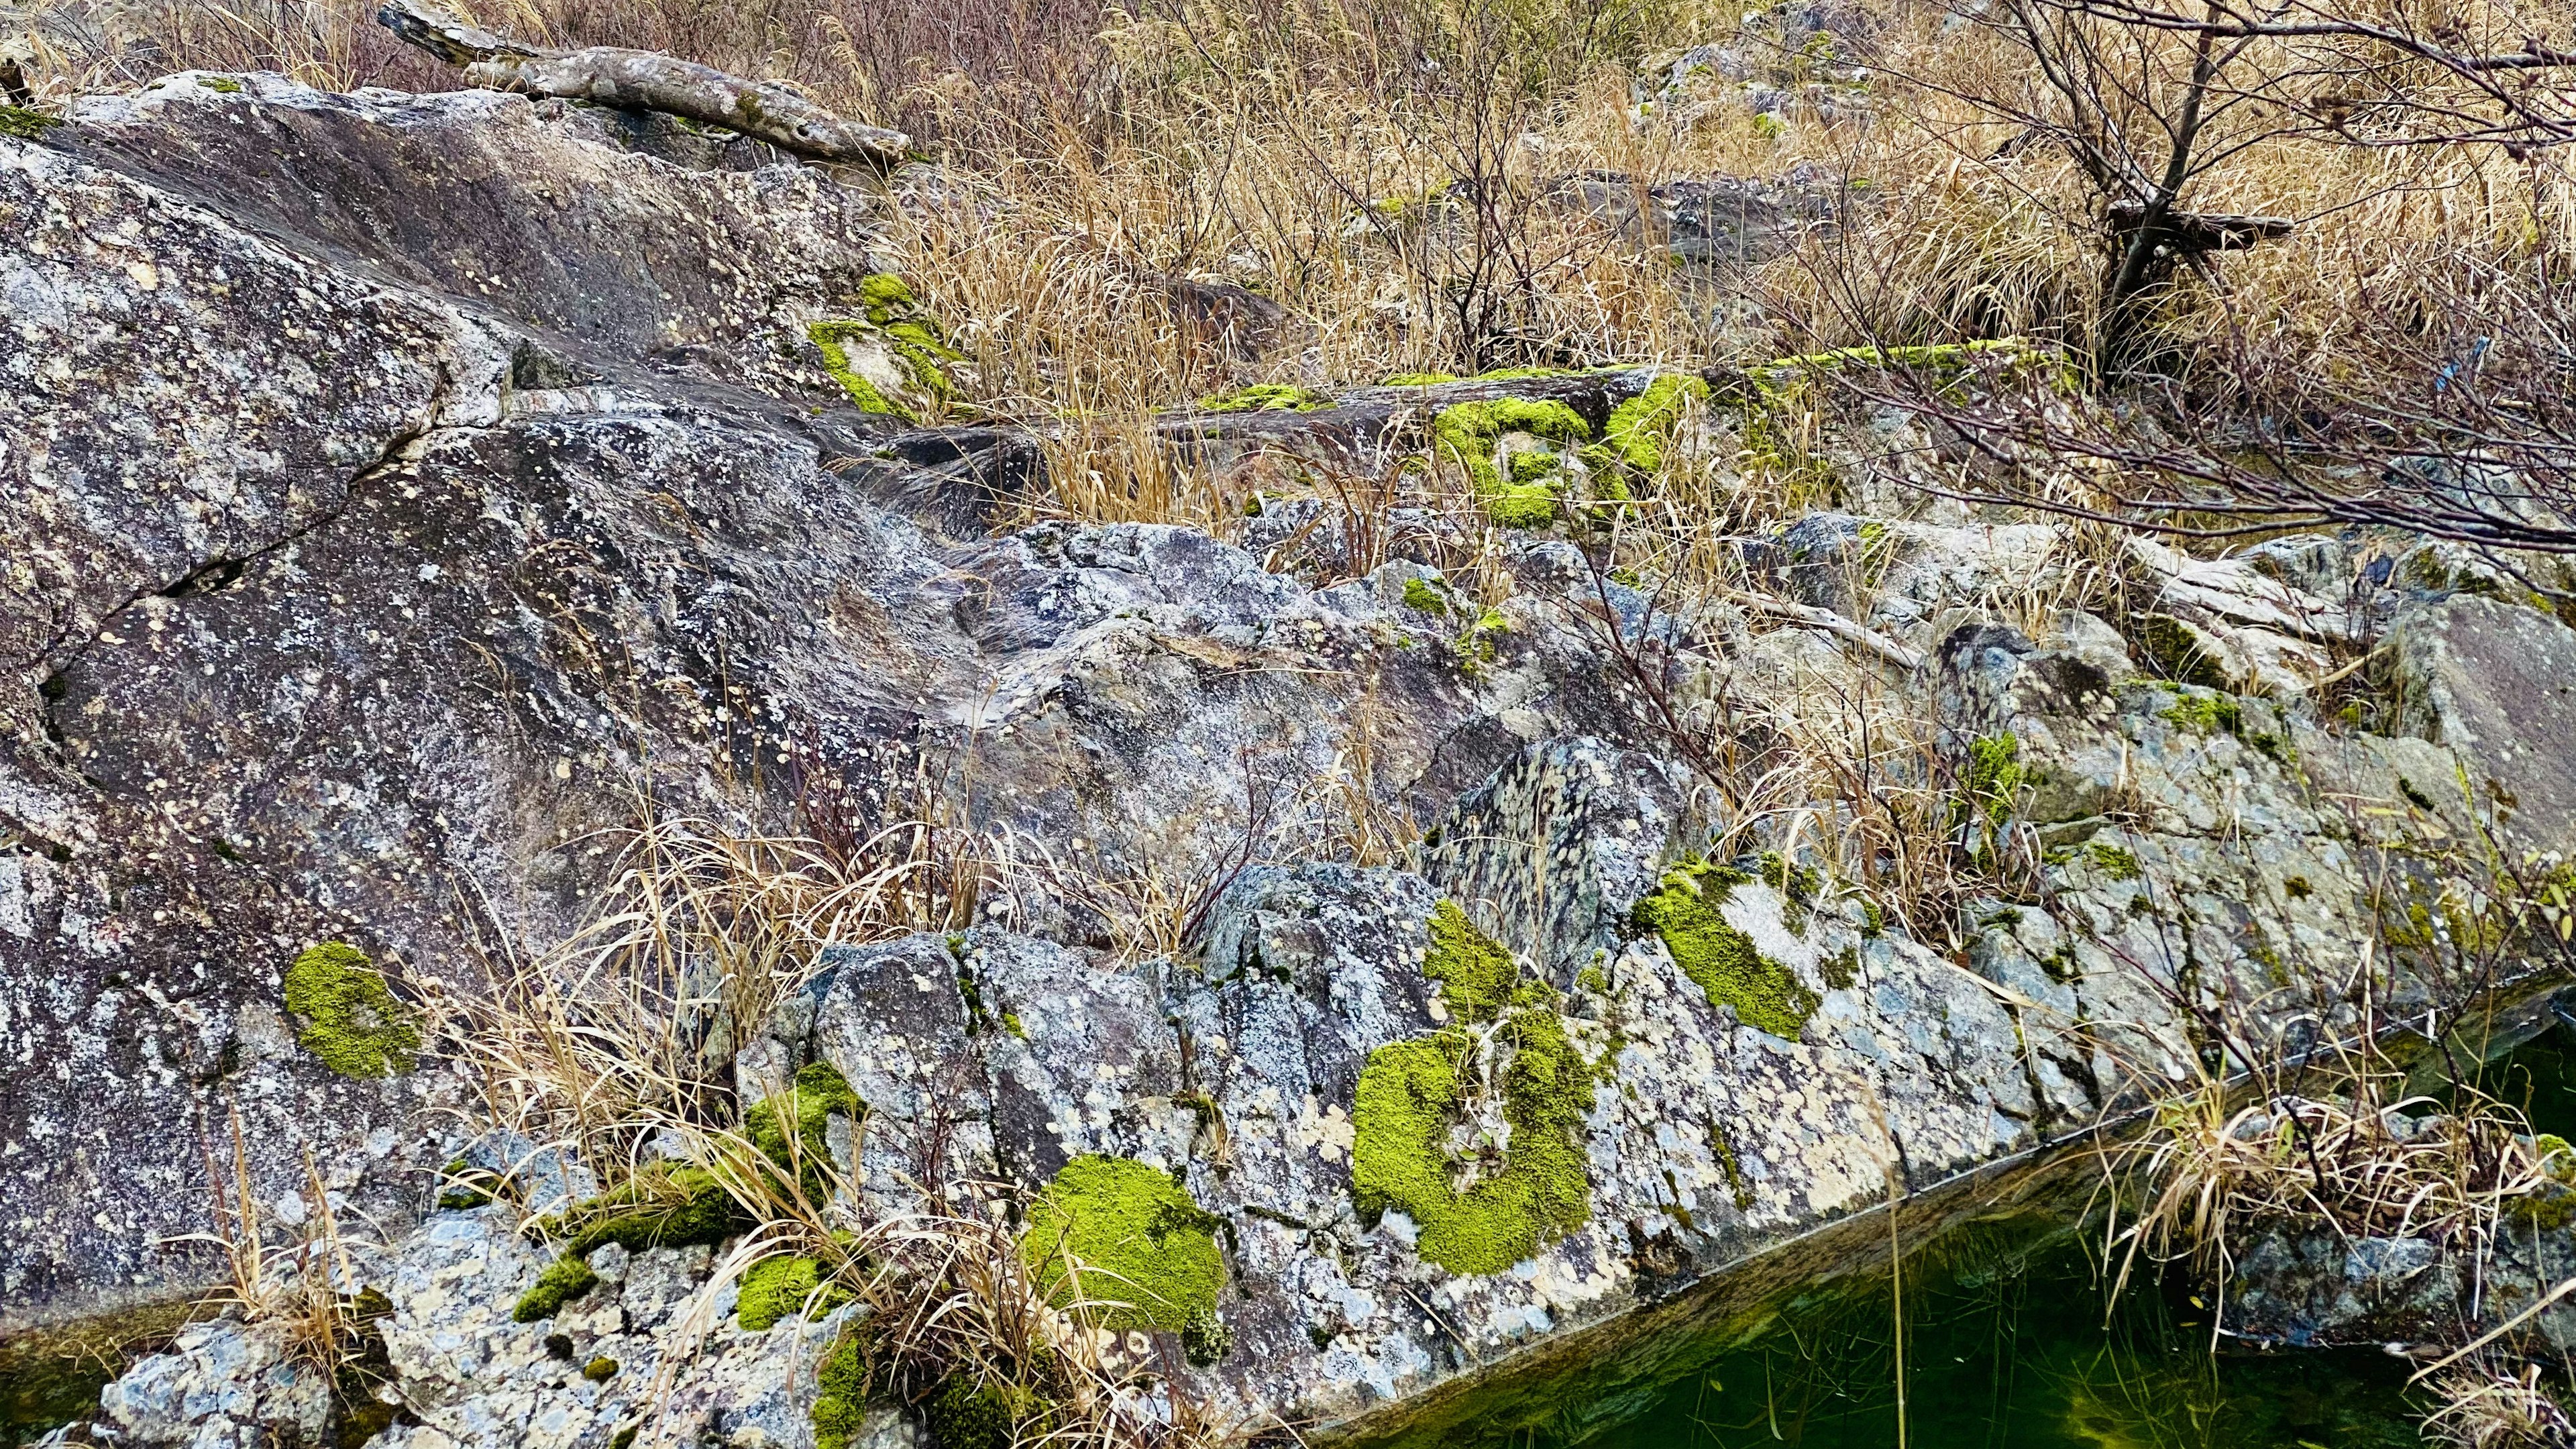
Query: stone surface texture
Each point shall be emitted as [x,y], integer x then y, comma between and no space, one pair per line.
[390,484]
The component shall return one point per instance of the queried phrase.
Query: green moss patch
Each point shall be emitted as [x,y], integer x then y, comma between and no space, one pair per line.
[1477,976]
[893,319]
[969,1411]
[1138,1240]
[2206,713]
[21,124]
[1482,1210]
[1995,776]
[1467,434]
[778,1288]
[667,1206]
[1418,379]
[1684,910]
[1266,397]
[818,1093]
[564,1280]
[1633,441]
[345,1014]
[1410,1095]
[841,1400]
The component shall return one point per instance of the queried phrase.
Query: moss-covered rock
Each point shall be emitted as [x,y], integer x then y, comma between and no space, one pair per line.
[1684,909]
[346,1015]
[1632,443]
[1139,1242]
[893,359]
[841,1393]
[786,1287]
[817,1094]
[1469,435]
[1412,1093]
[19,123]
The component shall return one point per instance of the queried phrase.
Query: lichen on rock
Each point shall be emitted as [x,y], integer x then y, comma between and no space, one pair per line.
[1684,909]
[346,1015]
[1115,1233]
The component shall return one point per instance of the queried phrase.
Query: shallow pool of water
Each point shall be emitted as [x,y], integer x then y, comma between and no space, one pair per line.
[2007,1345]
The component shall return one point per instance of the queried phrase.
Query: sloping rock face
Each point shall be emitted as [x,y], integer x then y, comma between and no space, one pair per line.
[393,483]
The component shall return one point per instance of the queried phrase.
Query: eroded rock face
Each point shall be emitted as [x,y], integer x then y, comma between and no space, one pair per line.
[382,519]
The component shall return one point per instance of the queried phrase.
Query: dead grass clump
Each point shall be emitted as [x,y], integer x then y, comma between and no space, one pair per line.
[2217,1170]
[2485,1406]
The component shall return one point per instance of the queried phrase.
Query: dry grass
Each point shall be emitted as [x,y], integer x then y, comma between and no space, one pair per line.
[2488,1407]
[2219,1168]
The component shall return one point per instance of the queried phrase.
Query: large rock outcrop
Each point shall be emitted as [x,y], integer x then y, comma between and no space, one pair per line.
[394,484]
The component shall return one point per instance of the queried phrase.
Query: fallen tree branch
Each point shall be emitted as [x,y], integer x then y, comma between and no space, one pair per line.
[1831,622]
[643,80]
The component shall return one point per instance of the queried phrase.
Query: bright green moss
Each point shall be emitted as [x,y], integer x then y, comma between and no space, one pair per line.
[1141,1243]
[1265,397]
[1410,1093]
[2207,713]
[1634,439]
[2112,861]
[1476,974]
[886,298]
[1467,434]
[893,319]
[1518,374]
[777,1288]
[467,1186]
[345,1014]
[841,1400]
[1205,1340]
[818,1092]
[1995,776]
[1684,910]
[1418,379]
[21,124]
[1420,593]
[564,1280]
[600,1370]
[221,84]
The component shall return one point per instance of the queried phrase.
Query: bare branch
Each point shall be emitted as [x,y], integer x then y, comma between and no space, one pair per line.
[642,80]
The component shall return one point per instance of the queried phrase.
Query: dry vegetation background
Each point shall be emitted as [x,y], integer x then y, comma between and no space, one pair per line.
[1421,184]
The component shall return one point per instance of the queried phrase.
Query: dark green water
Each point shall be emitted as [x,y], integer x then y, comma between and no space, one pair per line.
[2007,1346]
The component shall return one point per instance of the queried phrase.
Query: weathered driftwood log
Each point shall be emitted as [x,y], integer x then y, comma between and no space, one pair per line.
[642,80]
[2192,231]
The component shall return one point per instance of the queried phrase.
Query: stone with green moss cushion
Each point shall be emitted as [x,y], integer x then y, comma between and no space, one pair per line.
[841,1398]
[1139,1242]
[1684,910]
[892,321]
[1633,440]
[1411,1092]
[345,1014]
[777,1288]
[665,1206]
[1466,434]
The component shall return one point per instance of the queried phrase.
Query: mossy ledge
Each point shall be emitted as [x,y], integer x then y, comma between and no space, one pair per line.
[1684,910]
[1410,1093]
[1467,433]
[1266,397]
[1141,1244]
[346,1015]
[1633,441]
